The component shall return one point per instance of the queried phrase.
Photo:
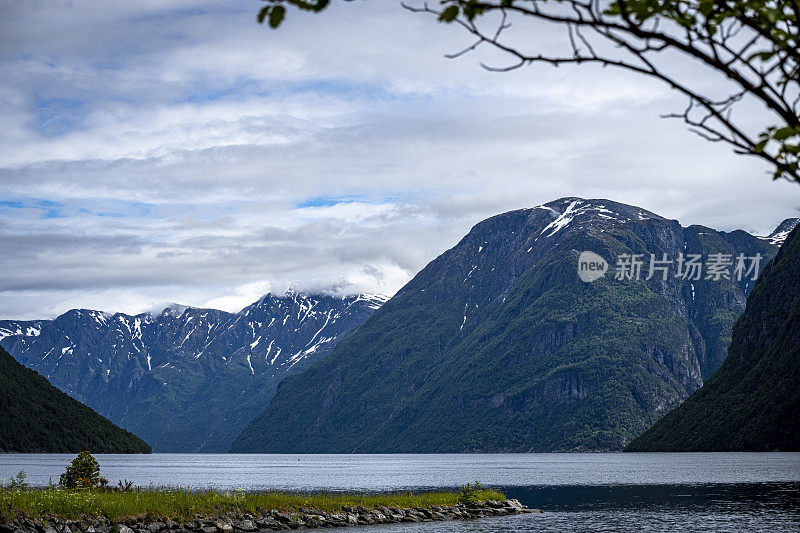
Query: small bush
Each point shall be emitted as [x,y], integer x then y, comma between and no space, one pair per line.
[470,493]
[18,482]
[83,473]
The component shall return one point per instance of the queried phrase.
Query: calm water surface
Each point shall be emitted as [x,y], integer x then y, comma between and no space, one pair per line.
[578,492]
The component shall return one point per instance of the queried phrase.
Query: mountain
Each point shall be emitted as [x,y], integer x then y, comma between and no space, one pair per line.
[10,328]
[185,379]
[37,417]
[498,346]
[778,237]
[752,403]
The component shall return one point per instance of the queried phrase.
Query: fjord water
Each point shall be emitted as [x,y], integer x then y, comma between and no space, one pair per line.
[577,492]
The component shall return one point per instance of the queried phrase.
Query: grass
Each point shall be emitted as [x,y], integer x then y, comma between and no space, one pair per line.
[182,504]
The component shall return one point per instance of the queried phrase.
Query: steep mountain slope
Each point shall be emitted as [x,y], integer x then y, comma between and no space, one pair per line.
[37,417]
[778,237]
[752,403]
[497,345]
[186,379]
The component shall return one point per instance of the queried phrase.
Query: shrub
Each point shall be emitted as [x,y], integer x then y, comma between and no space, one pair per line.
[18,481]
[470,493]
[83,473]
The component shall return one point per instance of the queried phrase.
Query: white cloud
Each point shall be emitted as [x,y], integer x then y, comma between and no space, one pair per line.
[168,153]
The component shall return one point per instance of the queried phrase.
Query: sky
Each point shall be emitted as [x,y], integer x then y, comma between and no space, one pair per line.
[154,152]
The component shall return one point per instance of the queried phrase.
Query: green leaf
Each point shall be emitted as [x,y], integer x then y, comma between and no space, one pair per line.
[706,6]
[262,14]
[784,133]
[449,14]
[276,16]
[760,145]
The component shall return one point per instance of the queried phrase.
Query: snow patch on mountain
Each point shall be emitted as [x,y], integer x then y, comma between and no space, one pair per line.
[23,329]
[567,210]
[562,221]
[778,236]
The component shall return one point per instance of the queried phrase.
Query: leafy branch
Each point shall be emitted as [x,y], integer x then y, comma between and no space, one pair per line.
[752,46]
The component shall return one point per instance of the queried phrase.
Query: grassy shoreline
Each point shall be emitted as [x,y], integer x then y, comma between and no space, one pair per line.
[182,504]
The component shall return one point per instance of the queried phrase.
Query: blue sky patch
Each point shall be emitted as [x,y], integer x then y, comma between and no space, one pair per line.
[57,116]
[328,201]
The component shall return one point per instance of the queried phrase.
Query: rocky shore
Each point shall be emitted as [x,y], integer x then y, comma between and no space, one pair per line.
[272,520]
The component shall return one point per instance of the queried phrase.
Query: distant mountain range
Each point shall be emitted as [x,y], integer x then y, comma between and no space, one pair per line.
[185,379]
[752,403]
[497,345]
[37,417]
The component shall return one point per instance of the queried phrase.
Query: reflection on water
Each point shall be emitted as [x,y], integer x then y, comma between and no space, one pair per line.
[577,492]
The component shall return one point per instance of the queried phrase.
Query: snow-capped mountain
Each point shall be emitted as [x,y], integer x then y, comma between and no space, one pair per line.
[778,237]
[20,328]
[185,379]
[498,345]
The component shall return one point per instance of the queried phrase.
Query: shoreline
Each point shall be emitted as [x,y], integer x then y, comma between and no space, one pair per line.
[270,520]
[130,509]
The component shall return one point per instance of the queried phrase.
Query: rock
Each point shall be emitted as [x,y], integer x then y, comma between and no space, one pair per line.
[426,513]
[270,523]
[155,527]
[122,528]
[286,519]
[222,526]
[245,525]
[337,519]
[514,504]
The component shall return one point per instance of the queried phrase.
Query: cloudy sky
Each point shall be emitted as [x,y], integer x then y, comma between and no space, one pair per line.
[155,152]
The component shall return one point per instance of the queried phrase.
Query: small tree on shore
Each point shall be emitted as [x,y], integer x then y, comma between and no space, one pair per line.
[82,473]
[470,493]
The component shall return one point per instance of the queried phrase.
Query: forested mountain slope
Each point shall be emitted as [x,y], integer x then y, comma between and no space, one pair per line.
[752,403]
[37,417]
[497,345]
